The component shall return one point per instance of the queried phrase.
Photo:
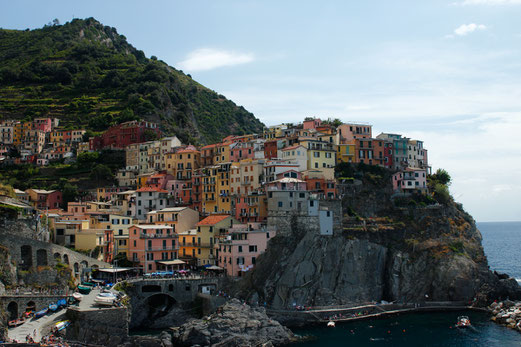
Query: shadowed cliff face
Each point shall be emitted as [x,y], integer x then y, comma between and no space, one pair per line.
[381,252]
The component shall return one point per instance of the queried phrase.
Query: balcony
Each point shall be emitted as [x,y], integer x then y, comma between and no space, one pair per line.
[158,236]
[168,248]
[200,245]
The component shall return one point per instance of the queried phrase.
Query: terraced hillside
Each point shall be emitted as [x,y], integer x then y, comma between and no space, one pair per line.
[88,75]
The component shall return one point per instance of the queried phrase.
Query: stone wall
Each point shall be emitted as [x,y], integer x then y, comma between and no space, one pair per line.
[107,327]
[21,302]
[28,253]
[285,222]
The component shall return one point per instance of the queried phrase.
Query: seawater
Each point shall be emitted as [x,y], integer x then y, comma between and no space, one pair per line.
[502,245]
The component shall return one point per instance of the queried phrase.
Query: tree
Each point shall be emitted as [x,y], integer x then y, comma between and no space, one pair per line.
[150,135]
[443,177]
[87,159]
[101,173]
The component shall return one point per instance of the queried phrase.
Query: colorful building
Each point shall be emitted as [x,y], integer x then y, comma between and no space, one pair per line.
[149,244]
[239,248]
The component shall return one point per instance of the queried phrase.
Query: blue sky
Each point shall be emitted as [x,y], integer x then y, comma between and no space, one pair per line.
[446,72]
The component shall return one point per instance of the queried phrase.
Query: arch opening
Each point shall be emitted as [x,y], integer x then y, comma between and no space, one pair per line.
[76,268]
[57,257]
[66,259]
[12,309]
[41,257]
[26,254]
[159,305]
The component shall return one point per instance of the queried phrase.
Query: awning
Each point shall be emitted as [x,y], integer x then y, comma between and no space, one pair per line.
[214,267]
[119,269]
[172,262]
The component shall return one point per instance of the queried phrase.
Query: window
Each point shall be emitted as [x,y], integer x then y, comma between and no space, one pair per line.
[316,154]
[280,204]
[253,248]
[239,249]
[253,260]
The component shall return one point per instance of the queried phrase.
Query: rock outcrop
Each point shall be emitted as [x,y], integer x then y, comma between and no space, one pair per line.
[507,313]
[234,324]
[378,251]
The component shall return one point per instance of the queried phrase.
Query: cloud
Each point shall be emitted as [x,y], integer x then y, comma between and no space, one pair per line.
[465,29]
[208,59]
[489,2]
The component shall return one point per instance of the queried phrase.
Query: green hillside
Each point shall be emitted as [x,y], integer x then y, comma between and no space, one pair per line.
[88,75]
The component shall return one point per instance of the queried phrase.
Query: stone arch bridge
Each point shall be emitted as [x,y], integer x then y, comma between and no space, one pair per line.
[29,253]
[155,298]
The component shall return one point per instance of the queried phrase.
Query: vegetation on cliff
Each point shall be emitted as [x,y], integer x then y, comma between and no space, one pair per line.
[88,75]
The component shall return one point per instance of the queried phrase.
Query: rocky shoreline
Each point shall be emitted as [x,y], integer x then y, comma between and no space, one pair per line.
[507,313]
[234,324]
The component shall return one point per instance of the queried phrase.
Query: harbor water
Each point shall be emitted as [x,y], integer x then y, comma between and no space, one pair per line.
[502,244]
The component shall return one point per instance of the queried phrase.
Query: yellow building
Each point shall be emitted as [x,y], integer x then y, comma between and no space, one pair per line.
[180,218]
[89,239]
[182,163]
[208,232]
[274,131]
[18,134]
[321,155]
[119,226]
[224,201]
[188,246]
[346,152]
[222,153]
[209,192]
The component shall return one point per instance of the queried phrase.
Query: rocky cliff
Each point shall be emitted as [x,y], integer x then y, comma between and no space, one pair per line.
[234,324]
[384,247]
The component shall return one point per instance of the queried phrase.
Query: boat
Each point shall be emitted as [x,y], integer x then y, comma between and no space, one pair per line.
[330,324]
[41,313]
[53,307]
[62,303]
[105,299]
[88,284]
[463,322]
[77,296]
[84,289]
[62,325]
[16,322]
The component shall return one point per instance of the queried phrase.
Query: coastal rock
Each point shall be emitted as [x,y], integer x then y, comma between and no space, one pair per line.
[409,255]
[234,324]
[506,313]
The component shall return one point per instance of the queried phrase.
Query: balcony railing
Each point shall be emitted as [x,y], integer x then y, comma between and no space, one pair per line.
[158,236]
[200,245]
[168,248]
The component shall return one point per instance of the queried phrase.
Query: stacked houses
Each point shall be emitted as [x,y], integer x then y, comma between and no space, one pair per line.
[218,204]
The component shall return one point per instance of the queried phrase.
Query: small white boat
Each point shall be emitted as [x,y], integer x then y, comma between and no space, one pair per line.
[105,299]
[330,324]
[77,296]
[463,322]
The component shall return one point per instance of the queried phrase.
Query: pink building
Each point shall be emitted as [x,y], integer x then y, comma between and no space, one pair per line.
[312,123]
[241,246]
[410,180]
[159,180]
[43,124]
[351,131]
[241,150]
[152,246]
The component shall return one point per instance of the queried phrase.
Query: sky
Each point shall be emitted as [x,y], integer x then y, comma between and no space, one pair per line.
[447,72]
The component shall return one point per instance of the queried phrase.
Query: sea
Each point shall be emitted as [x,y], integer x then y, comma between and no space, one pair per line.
[502,244]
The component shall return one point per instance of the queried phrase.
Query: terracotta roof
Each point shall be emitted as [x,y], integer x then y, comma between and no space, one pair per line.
[292,147]
[209,146]
[187,150]
[213,219]
[151,189]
